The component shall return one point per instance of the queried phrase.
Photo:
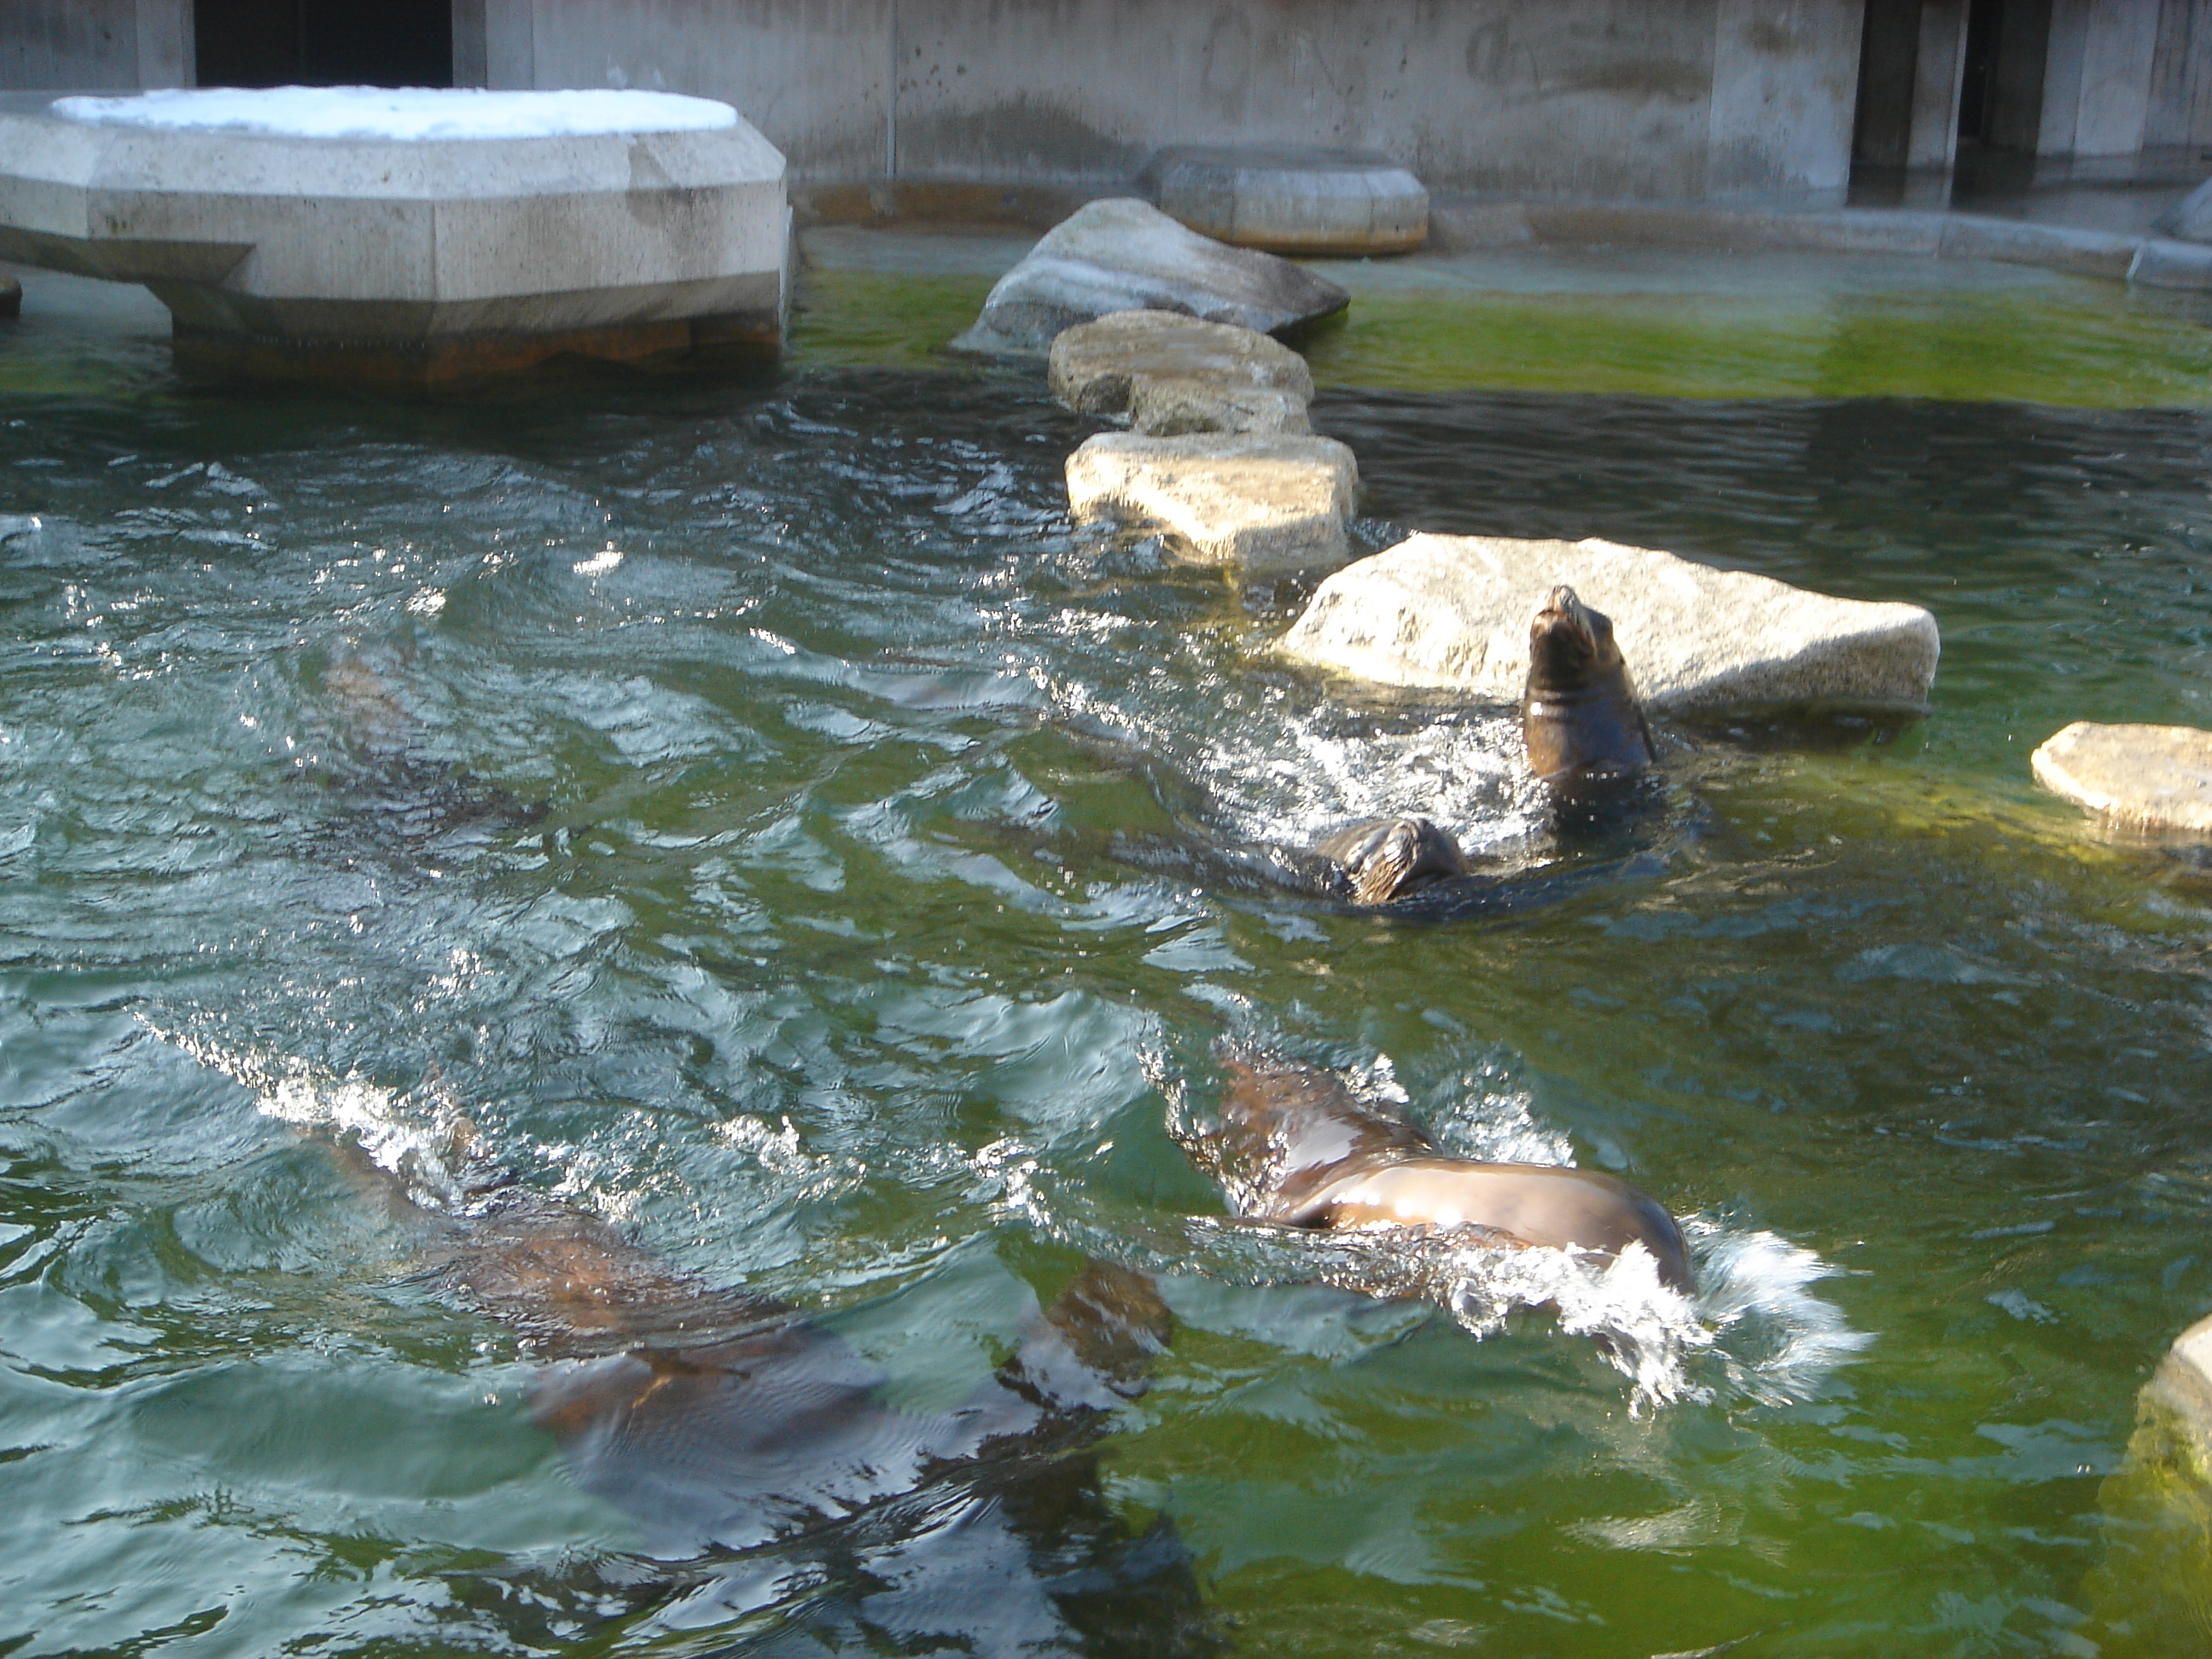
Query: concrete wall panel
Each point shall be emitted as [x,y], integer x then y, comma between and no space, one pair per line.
[1784,74]
[87,45]
[1549,97]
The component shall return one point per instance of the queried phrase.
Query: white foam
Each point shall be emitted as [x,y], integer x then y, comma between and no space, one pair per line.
[402,113]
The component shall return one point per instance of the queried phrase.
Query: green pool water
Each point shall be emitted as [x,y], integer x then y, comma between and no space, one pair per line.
[732,796]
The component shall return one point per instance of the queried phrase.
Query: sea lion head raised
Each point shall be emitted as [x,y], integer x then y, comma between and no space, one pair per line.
[1579,715]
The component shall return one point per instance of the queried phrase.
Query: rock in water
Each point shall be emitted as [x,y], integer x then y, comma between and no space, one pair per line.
[1172,374]
[1123,254]
[1259,503]
[1344,202]
[2149,779]
[2190,219]
[1451,613]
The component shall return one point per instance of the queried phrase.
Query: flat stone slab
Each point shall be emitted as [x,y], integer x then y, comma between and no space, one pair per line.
[1340,202]
[2155,779]
[1169,375]
[1123,254]
[1451,613]
[1260,502]
[413,226]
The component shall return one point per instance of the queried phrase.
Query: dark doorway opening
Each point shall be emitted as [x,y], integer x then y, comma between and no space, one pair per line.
[1977,88]
[324,43]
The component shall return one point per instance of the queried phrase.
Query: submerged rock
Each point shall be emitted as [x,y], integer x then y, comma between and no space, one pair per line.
[2150,779]
[1451,613]
[1262,502]
[1290,200]
[1170,373]
[1123,254]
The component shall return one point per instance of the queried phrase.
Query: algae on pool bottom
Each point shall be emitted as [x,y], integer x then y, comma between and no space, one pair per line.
[1656,324]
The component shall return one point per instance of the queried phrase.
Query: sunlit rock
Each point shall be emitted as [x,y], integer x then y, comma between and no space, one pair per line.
[1260,502]
[1291,200]
[1170,373]
[2153,779]
[1123,254]
[1452,613]
[2151,1594]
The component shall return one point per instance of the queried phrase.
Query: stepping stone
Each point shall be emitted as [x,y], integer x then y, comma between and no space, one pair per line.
[2144,778]
[1343,202]
[11,297]
[1170,373]
[2190,220]
[1261,503]
[1451,613]
[408,234]
[1122,254]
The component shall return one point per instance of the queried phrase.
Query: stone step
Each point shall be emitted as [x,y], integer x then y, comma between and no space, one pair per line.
[1168,375]
[2152,780]
[1288,200]
[1256,503]
[1451,613]
[1122,254]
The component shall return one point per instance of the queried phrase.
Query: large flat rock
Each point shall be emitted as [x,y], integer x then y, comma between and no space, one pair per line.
[1168,374]
[1262,503]
[1452,612]
[1123,254]
[402,230]
[1291,200]
[2156,778]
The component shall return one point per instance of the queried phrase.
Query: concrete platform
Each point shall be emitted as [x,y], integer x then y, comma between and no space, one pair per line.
[472,235]
[1287,200]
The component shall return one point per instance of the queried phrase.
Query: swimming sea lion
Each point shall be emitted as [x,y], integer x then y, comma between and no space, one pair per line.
[1585,732]
[1386,859]
[725,1421]
[1293,1145]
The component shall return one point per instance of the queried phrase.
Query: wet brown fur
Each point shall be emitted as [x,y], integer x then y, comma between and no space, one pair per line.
[1293,1145]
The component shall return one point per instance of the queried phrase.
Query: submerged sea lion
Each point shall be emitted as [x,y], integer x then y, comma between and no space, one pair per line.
[1585,732]
[752,1445]
[1293,1145]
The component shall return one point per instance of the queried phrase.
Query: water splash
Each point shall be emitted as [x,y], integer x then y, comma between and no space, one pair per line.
[422,1139]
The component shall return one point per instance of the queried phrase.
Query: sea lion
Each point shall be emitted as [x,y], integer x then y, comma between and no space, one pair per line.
[1386,859]
[1293,1145]
[725,1421]
[1586,738]
[1585,732]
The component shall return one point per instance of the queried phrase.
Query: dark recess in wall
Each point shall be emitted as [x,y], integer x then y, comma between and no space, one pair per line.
[324,43]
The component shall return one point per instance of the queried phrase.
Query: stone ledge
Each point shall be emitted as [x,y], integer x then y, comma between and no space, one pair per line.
[1451,613]
[1264,503]
[1470,226]
[2152,779]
